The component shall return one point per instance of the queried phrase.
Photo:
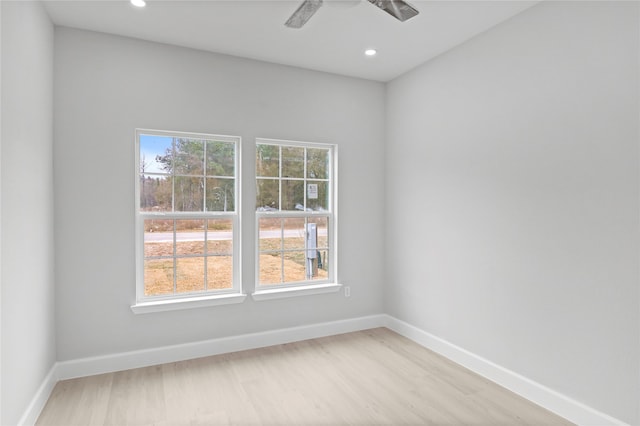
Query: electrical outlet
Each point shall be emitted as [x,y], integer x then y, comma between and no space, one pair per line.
[347,291]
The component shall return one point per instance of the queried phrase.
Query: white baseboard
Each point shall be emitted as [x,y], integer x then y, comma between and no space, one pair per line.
[147,357]
[549,399]
[39,400]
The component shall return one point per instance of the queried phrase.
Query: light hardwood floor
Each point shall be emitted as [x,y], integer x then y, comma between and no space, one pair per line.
[363,378]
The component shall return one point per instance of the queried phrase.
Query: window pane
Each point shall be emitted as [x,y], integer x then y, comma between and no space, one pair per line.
[155,193]
[270,234]
[267,160]
[322,231]
[320,266]
[189,157]
[294,266]
[220,236]
[219,272]
[317,163]
[158,238]
[220,195]
[292,195]
[292,162]
[267,195]
[220,158]
[189,237]
[317,196]
[158,277]
[189,274]
[189,193]
[294,233]
[270,268]
[155,154]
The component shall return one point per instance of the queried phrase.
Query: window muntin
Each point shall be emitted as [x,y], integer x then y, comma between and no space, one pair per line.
[294,210]
[187,220]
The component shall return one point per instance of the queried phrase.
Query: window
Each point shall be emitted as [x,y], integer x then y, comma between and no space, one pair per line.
[295,215]
[187,219]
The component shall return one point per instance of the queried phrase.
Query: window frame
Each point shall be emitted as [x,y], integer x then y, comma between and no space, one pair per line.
[146,303]
[305,287]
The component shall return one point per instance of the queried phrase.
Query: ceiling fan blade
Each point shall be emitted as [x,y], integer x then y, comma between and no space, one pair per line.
[303,13]
[399,9]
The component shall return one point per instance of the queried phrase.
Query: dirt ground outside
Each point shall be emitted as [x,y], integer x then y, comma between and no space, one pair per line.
[158,273]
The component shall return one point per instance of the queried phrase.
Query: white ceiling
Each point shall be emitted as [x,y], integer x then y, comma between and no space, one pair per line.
[333,40]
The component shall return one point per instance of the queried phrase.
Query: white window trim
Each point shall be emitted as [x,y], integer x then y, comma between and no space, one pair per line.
[306,290]
[187,303]
[303,288]
[147,304]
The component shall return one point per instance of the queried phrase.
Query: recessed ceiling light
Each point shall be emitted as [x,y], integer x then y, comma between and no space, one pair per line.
[139,3]
[370,52]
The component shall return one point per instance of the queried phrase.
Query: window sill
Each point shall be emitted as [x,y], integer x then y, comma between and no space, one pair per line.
[280,293]
[187,303]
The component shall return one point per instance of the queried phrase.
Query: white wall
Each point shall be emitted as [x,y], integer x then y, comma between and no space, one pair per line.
[105,87]
[0,213]
[513,199]
[28,331]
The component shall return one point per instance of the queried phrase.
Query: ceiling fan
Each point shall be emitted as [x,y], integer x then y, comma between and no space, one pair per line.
[399,9]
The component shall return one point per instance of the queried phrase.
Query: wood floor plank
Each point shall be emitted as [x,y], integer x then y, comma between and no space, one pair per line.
[136,397]
[372,377]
